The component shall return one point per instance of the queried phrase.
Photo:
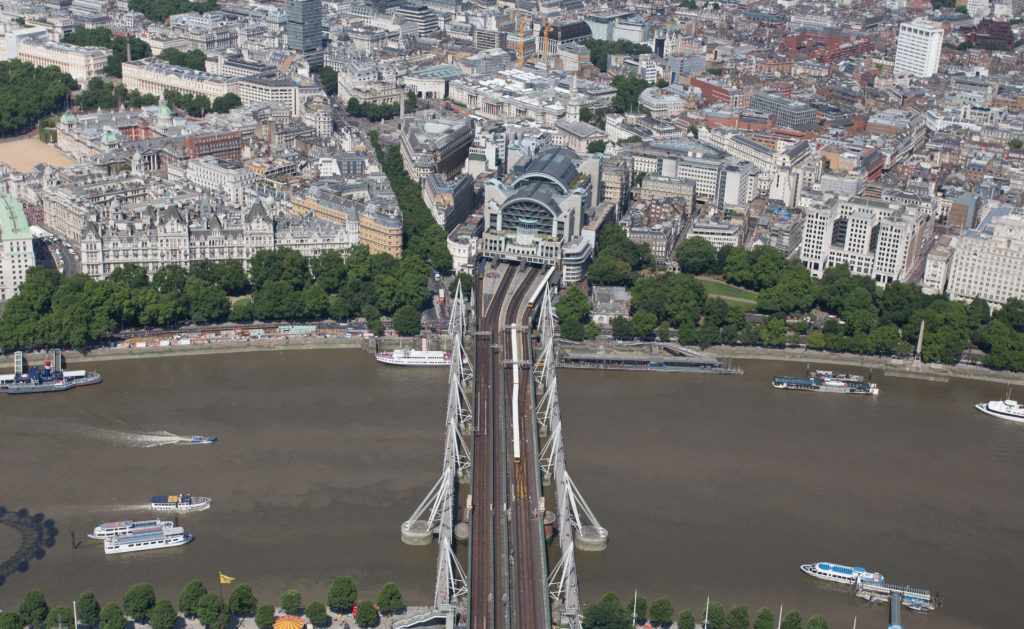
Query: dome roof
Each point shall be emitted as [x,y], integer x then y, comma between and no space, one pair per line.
[68,117]
[109,137]
[164,110]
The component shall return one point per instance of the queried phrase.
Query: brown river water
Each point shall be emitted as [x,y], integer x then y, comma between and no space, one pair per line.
[709,485]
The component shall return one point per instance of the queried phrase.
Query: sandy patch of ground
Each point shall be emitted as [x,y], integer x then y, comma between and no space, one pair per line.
[24,153]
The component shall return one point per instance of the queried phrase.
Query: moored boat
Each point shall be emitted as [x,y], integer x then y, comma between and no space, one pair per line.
[147,540]
[181,502]
[50,377]
[109,530]
[415,358]
[840,573]
[1004,409]
[827,382]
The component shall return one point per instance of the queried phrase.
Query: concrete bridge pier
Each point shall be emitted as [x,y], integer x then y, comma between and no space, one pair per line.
[592,538]
[417,533]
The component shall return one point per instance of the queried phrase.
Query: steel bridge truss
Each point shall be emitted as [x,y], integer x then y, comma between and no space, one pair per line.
[438,509]
[573,512]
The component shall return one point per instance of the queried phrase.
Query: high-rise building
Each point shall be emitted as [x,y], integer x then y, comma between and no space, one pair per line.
[918,48]
[305,30]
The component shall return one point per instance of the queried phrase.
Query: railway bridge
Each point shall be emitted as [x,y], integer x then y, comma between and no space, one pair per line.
[503,451]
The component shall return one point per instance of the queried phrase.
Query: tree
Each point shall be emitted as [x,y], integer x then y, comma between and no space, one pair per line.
[693,130]
[194,59]
[138,600]
[291,601]
[160,10]
[329,80]
[817,621]
[407,321]
[596,146]
[264,617]
[88,609]
[765,619]
[373,322]
[112,617]
[685,620]
[209,610]
[33,608]
[644,323]
[466,280]
[664,332]
[716,615]
[188,602]
[29,94]
[696,256]
[573,305]
[342,595]
[591,330]
[622,328]
[11,620]
[608,613]
[242,600]
[662,611]
[637,605]
[410,101]
[241,310]
[1015,144]
[572,329]
[59,617]
[224,104]
[366,615]
[163,616]
[315,302]
[389,599]
[738,618]
[792,620]
[815,340]
[661,83]
[316,613]
[627,92]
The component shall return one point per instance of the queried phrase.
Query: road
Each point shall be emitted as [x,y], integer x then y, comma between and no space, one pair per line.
[507,580]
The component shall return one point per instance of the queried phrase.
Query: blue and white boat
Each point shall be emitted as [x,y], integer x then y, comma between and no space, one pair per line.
[147,540]
[199,439]
[840,573]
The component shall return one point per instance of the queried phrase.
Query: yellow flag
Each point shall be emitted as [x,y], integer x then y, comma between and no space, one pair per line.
[225,578]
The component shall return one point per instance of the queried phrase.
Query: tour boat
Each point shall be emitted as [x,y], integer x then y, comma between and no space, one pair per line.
[840,573]
[109,530]
[415,358]
[147,540]
[827,382]
[1004,409]
[181,502]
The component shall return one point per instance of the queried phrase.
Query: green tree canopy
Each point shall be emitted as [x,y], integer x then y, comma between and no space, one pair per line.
[765,619]
[29,94]
[11,620]
[264,617]
[792,620]
[329,80]
[88,609]
[637,605]
[389,599]
[696,256]
[242,600]
[596,146]
[573,305]
[662,611]
[163,616]
[366,615]
[188,602]
[817,621]
[685,620]
[209,610]
[160,10]
[194,59]
[112,617]
[138,600]
[59,617]
[291,601]
[738,618]
[716,615]
[599,50]
[407,321]
[608,613]
[225,103]
[316,612]
[33,609]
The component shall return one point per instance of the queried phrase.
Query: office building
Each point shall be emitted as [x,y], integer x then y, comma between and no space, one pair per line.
[918,48]
[81,62]
[988,262]
[419,15]
[304,30]
[16,254]
[435,145]
[787,112]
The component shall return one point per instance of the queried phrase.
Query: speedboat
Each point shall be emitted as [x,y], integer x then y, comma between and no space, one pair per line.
[198,439]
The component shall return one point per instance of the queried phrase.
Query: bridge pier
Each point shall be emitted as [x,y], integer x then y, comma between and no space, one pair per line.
[417,533]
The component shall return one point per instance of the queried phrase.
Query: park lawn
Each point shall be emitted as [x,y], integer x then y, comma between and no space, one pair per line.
[726,291]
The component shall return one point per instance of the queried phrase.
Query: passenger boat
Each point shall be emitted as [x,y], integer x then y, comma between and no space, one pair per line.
[198,439]
[147,540]
[181,502]
[1004,409]
[840,573]
[50,377]
[108,530]
[415,358]
[827,382]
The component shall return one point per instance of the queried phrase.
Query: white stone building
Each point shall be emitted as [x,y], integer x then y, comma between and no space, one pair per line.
[81,62]
[228,179]
[153,76]
[918,48]
[988,262]
[16,254]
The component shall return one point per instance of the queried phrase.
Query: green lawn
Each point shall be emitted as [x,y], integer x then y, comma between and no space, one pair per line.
[726,291]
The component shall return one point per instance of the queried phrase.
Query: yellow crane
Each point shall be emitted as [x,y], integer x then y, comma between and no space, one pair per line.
[522,30]
[547,27]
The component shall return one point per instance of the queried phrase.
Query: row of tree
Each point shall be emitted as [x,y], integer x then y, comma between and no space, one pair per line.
[28,94]
[619,260]
[599,50]
[423,237]
[195,59]
[610,613]
[868,319]
[98,93]
[198,106]
[375,112]
[118,46]
[141,605]
[282,284]
[160,10]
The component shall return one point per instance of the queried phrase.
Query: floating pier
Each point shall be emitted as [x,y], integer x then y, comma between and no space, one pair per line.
[914,599]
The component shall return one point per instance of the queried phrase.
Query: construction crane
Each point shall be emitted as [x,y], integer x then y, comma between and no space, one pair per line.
[547,27]
[522,30]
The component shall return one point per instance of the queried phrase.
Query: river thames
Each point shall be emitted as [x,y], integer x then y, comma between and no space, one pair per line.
[708,485]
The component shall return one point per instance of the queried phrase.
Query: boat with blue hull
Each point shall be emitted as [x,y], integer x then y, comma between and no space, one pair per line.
[839,573]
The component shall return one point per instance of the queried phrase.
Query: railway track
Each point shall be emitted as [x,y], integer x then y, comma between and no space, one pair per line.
[507,584]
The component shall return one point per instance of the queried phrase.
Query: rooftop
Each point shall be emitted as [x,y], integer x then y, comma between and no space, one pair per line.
[13,222]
